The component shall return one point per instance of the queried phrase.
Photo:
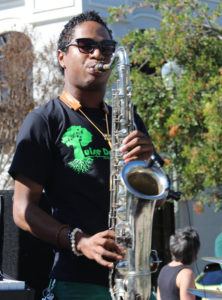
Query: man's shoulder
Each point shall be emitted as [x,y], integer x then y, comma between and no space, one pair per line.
[47,111]
[44,116]
[48,107]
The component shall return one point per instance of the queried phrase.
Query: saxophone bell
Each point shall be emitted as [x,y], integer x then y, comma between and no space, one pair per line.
[145,182]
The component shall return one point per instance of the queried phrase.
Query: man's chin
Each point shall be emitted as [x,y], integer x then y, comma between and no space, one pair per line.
[95,83]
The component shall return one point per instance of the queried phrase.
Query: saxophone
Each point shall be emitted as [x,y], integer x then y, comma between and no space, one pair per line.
[134,190]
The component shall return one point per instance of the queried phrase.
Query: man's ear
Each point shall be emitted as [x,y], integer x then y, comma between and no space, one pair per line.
[61,55]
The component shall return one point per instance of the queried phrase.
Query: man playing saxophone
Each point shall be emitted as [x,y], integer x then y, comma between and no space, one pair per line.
[63,150]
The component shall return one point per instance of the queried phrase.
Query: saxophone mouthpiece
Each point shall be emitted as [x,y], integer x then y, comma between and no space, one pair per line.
[101,67]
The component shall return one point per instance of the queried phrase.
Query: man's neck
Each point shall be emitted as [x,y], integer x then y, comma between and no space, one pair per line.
[91,99]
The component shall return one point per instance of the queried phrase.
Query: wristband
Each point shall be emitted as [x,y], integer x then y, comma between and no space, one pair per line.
[72,241]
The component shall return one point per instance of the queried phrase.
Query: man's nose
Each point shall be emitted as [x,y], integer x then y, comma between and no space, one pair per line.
[97,53]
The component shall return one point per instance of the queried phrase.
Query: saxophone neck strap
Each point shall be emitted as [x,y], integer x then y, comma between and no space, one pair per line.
[74,104]
[70,101]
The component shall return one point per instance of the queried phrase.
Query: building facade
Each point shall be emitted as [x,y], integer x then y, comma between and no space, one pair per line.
[48,17]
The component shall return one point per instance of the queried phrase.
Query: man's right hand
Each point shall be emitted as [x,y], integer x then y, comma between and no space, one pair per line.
[98,246]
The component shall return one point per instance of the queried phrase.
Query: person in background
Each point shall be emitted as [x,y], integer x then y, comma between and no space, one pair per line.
[63,149]
[176,277]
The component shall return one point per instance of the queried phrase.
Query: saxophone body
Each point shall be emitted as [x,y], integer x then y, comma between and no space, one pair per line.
[134,190]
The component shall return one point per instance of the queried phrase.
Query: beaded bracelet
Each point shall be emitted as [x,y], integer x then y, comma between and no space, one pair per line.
[72,240]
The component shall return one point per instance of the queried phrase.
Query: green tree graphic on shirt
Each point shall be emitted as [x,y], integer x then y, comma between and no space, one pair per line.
[78,137]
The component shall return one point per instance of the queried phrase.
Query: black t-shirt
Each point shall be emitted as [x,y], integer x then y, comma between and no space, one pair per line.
[60,149]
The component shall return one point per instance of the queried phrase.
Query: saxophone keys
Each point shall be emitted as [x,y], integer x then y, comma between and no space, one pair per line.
[119,289]
[121,163]
[123,122]
[121,242]
[122,196]
[123,132]
[154,261]
[122,267]
[122,229]
[121,213]
[123,234]
[129,89]
[122,193]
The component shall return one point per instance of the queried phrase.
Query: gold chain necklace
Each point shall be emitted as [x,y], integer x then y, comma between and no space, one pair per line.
[74,104]
[106,136]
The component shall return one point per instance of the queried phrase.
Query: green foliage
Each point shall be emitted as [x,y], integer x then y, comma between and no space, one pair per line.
[184,120]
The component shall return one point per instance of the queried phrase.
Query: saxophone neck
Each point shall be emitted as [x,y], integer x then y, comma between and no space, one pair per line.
[119,56]
[103,67]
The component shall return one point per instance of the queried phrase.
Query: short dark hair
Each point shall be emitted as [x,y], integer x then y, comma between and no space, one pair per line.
[184,245]
[68,31]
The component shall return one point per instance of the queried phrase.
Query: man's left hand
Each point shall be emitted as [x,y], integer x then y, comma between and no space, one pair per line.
[138,146]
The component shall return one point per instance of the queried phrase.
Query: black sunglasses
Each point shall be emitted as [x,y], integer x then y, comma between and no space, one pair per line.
[88,46]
